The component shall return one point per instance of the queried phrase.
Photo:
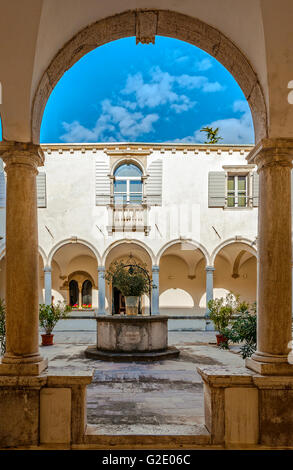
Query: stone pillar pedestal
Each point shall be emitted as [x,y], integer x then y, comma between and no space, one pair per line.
[102,290]
[273,158]
[155,290]
[209,296]
[48,285]
[22,264]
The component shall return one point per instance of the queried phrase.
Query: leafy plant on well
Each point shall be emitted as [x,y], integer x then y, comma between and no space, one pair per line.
[244,330]
[130,280]
[49,315]
[2,327]
[212,135]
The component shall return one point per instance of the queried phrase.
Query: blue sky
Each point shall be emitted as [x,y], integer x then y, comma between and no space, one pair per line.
[146,93]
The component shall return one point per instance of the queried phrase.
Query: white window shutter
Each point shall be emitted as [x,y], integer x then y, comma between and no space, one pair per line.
[154,183]
[255,188]
[217,188]
[103,187]
[41,190]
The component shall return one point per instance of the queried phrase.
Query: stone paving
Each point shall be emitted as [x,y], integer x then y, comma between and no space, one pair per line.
[165,397]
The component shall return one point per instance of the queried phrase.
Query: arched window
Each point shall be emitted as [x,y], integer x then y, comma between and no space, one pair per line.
[86,293]
[128,184]
[73,293]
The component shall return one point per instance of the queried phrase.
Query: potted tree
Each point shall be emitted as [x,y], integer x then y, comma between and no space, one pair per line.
[49,315]
[132,281]
[221,312]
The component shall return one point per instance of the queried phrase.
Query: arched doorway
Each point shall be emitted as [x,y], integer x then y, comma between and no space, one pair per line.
[73,292]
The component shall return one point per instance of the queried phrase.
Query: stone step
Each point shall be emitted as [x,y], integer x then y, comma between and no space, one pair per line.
[171,436]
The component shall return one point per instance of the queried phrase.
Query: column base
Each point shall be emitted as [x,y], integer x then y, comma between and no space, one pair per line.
[30,368]
[269,368]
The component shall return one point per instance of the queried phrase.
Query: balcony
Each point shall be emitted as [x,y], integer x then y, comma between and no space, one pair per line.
[128,218]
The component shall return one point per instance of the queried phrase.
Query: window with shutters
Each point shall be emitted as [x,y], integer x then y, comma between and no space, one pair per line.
[236,187]
[237,195]
[128,209]
[128,185]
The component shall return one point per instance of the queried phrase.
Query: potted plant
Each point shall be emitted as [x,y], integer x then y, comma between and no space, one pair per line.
[132,281]
[243,330]
[49,315]
[221,311]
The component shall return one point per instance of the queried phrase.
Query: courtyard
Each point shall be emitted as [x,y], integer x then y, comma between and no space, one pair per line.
[132,398]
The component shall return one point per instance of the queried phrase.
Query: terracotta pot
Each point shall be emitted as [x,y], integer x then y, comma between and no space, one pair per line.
[47,340]
[221,339]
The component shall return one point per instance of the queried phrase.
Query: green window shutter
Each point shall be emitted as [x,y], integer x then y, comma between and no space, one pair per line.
[41,190]
[255,188]
[103,187]
[154,183]
[217,188]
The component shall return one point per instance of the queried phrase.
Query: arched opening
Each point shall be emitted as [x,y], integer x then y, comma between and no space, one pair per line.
[164,23]
[236,271]
[87,293]
[127,253]
[74,274]
[128,184]
[73,293]
[182,279]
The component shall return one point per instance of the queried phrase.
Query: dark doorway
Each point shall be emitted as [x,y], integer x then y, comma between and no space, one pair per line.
[118,302]
[73,293]
[87,293]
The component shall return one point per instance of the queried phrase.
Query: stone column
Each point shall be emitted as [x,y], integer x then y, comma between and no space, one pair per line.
[209,296]
[101,285]
[48,285]
[273,158]
[79,294]
[22,264]
[155,290]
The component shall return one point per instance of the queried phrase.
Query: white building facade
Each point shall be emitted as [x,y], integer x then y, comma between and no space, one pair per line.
[187,212]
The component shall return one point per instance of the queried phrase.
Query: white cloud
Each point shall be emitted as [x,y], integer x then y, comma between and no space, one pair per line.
[160,89]
[211,87]
[115,123]
[232,130]
[126,120]
[203,65]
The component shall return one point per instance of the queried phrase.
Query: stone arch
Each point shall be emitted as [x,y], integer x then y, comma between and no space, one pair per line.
[82,276]
[124,241]
[197,245]
[243,241]
[126,161]
[145,25]
[75,241]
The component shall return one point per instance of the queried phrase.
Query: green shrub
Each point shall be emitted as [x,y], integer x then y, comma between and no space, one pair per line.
[222,310]
[243,330]
[49,315]
[2,327]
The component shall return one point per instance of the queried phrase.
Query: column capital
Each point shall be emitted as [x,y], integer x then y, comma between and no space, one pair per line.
[20,153]
[101,269]
[47,269]
[155,268]
[272,153]
[210,268]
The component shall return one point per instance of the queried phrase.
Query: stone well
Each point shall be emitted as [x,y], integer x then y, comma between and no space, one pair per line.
[132,338]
